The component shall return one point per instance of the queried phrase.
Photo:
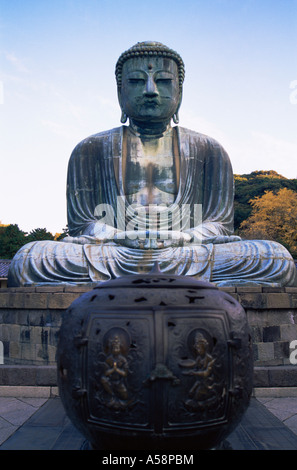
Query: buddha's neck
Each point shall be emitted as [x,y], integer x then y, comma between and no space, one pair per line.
[149,130]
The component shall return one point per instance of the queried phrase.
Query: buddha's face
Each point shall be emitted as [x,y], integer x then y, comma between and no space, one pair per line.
[150,89]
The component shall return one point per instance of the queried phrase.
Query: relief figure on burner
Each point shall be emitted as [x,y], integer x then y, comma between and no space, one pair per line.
[203,391]
[113,379]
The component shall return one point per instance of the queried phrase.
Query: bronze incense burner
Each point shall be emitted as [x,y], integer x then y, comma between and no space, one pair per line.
[155,361]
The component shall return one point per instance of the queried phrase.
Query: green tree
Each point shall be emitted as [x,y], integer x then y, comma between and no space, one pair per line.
[38,234]
[11,240]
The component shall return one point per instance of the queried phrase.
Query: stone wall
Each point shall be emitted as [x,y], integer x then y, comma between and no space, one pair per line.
[30,320]
[272,316]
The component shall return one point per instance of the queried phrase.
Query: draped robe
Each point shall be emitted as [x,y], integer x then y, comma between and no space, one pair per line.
[95,181]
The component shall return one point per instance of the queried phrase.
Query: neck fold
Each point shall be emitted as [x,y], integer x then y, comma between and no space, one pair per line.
[149,130]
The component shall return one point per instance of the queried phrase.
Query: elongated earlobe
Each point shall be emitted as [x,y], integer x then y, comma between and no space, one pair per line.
[175,118]
[124,117]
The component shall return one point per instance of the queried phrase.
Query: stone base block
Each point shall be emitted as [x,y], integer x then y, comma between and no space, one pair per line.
[30,375]
[28,391]
[275,376]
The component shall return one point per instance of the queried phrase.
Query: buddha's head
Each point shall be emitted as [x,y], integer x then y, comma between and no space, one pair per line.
[150,78]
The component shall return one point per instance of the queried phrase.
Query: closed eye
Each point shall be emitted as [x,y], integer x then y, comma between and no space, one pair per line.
[136,81]
[164,80]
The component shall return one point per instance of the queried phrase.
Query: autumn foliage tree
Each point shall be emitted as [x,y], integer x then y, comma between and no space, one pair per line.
[273,217]
[248,186]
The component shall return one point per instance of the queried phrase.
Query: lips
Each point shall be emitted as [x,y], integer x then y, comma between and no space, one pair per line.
[151,102]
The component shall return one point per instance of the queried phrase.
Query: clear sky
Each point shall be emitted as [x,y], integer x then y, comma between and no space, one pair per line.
[57,86]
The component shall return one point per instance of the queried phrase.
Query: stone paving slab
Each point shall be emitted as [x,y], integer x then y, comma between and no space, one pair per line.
[48,429]
[6,430]
[14,412]
[262,430]
[292,423]
[283,408]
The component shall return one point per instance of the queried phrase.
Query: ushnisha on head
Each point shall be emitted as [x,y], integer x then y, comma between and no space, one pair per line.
[150,77]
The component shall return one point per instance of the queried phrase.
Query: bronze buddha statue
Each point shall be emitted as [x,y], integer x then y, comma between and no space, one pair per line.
[148,192]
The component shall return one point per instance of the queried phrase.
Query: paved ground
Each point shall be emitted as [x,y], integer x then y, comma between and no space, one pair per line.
[37,424]
[284,409]
[14,412]
[41,424]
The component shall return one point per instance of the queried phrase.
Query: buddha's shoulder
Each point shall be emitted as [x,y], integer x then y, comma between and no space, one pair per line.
[96,140]
[198,137]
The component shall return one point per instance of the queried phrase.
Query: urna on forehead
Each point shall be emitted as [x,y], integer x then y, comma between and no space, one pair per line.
[151,49]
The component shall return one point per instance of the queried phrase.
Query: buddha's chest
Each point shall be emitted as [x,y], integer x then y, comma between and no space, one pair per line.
[150,173]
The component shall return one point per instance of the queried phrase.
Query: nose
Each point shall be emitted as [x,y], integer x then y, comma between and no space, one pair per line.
[151,87]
